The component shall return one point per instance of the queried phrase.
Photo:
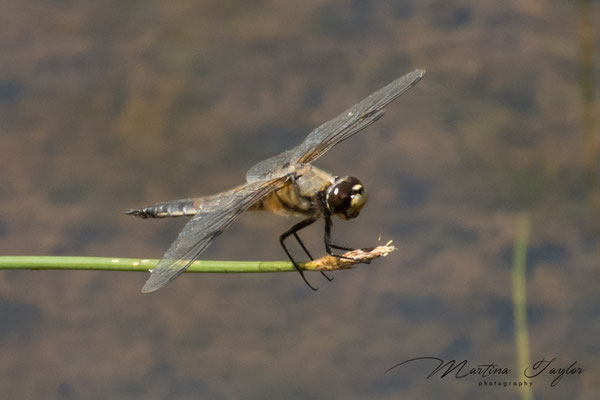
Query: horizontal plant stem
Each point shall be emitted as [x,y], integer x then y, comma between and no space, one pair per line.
[135,264]
[329,263]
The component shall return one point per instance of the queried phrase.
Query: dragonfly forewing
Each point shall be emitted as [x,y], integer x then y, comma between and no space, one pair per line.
[338,129]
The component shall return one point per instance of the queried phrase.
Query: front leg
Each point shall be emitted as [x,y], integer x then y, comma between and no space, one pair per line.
[330,246]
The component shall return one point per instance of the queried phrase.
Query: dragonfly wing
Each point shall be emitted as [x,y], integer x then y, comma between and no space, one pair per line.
[214,215]
[271,168]
[354,119]
[332,132]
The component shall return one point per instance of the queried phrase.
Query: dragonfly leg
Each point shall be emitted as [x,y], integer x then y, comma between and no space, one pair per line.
[292,231]
[311,257]
[330,246]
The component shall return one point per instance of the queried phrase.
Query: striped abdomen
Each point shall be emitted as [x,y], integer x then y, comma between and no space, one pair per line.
[176,208]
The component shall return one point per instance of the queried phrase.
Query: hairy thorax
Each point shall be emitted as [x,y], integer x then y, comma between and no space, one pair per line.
[300,197]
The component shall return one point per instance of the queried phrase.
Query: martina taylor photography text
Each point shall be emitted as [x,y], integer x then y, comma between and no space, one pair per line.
[543,370]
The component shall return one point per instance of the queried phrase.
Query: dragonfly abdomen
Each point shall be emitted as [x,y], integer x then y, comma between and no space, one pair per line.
[176,208]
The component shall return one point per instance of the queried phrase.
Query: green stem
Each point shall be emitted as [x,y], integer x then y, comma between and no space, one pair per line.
[135,264]
[520,300]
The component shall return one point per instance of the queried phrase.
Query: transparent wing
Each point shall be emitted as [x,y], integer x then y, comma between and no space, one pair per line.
[214,215]
[353,120]
[348,123]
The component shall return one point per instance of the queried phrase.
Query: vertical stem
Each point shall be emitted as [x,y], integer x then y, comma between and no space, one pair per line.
[520,299]
[588,85]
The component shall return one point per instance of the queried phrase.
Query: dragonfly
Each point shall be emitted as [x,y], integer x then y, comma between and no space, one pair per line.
[286,184]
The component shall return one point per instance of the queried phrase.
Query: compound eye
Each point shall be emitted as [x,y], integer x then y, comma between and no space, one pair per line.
[346,198]
[339,198]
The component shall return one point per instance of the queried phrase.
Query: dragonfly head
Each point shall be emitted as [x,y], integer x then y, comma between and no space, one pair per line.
[346,197]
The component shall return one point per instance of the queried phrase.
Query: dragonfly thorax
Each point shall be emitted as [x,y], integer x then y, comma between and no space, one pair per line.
[346,197]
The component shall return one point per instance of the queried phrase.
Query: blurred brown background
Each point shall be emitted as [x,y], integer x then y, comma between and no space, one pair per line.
[107,105]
